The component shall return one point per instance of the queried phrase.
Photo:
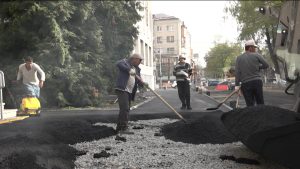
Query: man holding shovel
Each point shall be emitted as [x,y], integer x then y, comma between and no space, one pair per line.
[182,71]
[127,82]
[247,74]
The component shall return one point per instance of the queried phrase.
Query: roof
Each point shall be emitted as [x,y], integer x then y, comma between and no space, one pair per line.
[162,16]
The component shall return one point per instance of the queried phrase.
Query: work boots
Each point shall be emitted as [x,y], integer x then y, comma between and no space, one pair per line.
[123,130]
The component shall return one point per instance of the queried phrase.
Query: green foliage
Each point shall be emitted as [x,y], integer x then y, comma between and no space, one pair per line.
[254,25]
[220,58]
[75,42]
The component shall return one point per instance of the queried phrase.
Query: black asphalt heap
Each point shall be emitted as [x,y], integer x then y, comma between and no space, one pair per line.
[270,131]
[44,143]
[201,128]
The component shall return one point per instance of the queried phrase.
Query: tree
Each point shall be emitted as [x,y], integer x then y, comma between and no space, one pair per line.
[220,58]
[255,25]
[75,42]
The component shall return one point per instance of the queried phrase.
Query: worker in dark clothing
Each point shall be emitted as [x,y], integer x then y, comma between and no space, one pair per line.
[247,74]
[182,71]
[127,82]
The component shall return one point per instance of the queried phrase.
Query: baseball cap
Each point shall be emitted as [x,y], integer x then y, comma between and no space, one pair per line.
[250,43]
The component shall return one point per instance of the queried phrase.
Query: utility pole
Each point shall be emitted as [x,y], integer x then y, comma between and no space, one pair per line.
[160,73]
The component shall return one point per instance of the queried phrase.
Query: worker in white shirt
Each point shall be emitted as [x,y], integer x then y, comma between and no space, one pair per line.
[28,74]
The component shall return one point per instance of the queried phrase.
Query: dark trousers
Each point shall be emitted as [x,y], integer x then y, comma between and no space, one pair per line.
[253,92]
[184,92]
[124,106]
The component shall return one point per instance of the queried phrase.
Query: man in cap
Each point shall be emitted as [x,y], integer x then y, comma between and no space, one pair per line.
[182,71]
[247,74]
[127,82]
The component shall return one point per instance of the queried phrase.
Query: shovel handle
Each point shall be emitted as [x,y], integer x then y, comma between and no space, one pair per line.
[163,100]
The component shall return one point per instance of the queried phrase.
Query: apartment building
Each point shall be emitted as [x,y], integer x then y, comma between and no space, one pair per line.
[288,36]
[171,39]
[144,43]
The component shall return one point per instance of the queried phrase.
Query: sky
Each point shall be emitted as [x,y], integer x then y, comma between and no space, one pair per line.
[204,20]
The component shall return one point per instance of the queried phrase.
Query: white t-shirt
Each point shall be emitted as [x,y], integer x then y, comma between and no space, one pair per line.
[131,81]
[30,76]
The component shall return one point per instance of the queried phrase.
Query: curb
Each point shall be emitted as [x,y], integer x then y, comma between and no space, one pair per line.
[228,108]
[13,119]
[96,109]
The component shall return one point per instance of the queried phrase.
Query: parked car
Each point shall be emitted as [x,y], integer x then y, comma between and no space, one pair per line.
[223,86]
[213,83]
[226,84]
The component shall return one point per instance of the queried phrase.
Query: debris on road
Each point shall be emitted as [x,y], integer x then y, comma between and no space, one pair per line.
[119,138]
[144,150]
[103,153]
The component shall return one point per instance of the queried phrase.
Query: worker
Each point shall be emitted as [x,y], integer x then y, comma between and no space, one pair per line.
[182,72]
[247,74]
[28,74]
[127,82]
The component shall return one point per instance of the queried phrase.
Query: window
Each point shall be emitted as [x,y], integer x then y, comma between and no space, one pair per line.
[170,38]
[170,28]
[159,39]
[170,50]
[158,28]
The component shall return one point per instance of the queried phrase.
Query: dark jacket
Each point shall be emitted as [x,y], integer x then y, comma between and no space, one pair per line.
[122,79]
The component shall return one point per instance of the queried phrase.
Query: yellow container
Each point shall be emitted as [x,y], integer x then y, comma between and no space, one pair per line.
[30,105]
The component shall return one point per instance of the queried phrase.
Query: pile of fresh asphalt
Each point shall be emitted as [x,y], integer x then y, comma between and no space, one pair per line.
[39,143]
[247,121]
[269,131]
[201,128]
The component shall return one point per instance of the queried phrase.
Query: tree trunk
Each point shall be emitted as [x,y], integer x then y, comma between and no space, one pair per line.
[272,52]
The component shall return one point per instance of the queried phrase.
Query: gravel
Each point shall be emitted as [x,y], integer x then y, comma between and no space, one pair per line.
[144,150]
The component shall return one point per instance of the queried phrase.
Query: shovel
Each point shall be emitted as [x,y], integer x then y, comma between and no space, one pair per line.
[223,101]
[164,101]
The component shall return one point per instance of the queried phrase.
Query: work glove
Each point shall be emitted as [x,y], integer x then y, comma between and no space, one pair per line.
[132,72]
[238,88]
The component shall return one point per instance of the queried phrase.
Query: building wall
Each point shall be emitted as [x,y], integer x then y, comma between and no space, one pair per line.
[162,35]
[167,45]
[171,39]
[144,43]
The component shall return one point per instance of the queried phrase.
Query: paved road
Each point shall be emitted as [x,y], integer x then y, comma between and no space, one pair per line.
[44,142]
[273,97]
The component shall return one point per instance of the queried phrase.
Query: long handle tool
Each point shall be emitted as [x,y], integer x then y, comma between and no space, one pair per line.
[165,102]
[223,101]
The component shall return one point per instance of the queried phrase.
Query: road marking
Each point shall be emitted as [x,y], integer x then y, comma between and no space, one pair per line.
[13,119]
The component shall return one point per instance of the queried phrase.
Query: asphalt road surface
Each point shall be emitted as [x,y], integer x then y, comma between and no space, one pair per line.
[43,142]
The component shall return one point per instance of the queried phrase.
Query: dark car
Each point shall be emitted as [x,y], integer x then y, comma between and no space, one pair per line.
[213,83]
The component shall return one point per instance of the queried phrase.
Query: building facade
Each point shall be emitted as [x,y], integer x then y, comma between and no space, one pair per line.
[144,43]
[171,39]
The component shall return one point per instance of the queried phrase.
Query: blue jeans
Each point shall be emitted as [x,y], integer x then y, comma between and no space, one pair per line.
[32,90]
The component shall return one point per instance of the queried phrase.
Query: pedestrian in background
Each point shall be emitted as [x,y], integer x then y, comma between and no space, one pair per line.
[182,72]
[127,82]
[247,74]
[28,74]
